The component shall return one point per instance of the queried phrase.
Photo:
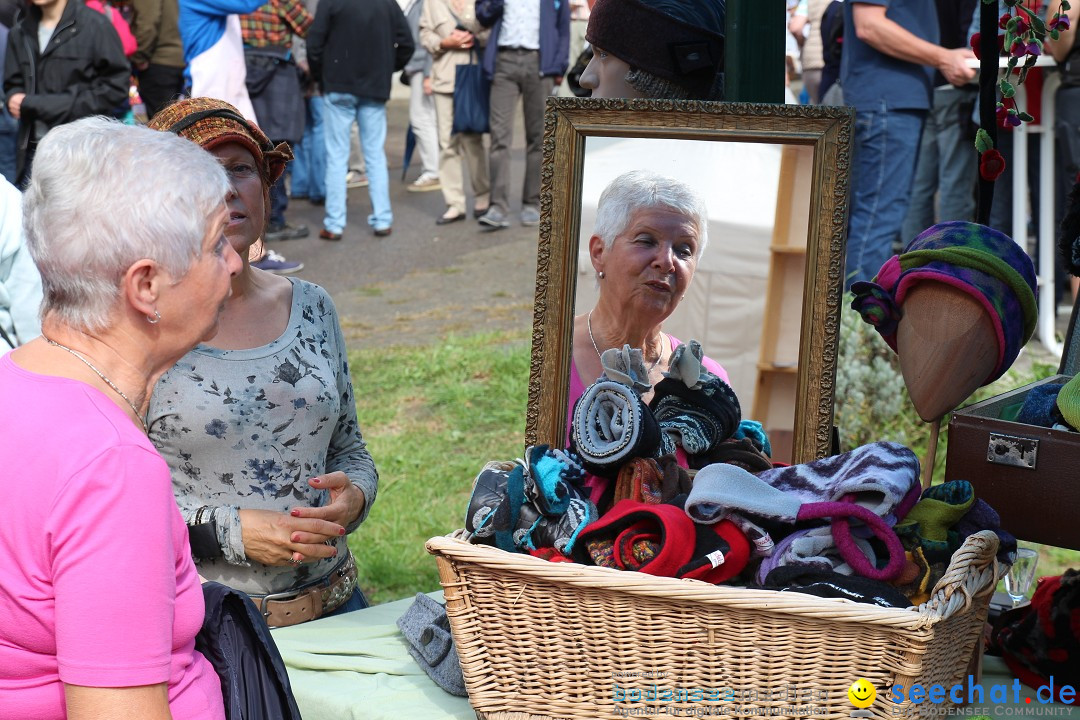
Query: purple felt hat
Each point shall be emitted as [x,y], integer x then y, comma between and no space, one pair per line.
[985,263]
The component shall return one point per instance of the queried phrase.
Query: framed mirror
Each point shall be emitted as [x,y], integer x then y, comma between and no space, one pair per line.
[765,298]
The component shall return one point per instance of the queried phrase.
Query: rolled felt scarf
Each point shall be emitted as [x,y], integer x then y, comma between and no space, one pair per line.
[866,484]
[977,259]
[519,507]
[611,424]
[661,540]
[742,452]
[812,549]
[929,524]
[695,409]
[983,517]
[640,480]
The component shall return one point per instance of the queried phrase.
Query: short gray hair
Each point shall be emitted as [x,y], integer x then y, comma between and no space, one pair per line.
[103,195]
[639,189]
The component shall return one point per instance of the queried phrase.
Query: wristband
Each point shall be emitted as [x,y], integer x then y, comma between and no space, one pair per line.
[202,535]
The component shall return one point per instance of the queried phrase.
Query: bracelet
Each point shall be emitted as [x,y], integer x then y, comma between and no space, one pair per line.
[202,535]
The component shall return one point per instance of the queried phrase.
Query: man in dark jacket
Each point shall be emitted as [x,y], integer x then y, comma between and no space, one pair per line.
[526,56]
[353,48]
[63,62]
[160,57]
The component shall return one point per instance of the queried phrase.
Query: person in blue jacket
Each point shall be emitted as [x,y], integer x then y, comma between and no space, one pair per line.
[214,50]
[525,58]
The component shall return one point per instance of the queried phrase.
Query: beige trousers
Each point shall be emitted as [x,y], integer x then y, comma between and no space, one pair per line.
[454,152]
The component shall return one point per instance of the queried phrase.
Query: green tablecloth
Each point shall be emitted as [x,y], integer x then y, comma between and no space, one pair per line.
[357,665]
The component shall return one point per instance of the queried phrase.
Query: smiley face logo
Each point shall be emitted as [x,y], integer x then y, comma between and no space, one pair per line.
[862,694]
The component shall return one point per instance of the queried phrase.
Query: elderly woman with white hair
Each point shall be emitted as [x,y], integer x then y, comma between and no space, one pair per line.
[650,233]
[99,598]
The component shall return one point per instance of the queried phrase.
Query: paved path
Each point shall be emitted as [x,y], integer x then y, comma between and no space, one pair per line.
[424,281]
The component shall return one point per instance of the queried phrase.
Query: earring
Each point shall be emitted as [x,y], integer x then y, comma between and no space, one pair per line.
[154,320]
[600,274]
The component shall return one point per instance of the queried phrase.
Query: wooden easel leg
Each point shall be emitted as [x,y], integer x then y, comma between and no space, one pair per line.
[931,454]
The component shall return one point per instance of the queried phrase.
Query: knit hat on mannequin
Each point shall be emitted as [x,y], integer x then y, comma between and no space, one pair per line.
[675,48]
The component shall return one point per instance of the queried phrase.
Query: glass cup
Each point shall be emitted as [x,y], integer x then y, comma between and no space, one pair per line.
[1021,575]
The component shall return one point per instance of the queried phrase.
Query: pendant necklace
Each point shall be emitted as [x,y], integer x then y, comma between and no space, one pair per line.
[588,322]
[107,381]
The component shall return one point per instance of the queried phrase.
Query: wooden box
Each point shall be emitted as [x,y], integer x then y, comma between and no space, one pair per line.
[1029,474]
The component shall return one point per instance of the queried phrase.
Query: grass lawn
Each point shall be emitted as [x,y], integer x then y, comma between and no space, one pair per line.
[433,415]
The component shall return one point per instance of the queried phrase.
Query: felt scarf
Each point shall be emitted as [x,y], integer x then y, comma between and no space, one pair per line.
[695,409]
[867,484]
[611,425]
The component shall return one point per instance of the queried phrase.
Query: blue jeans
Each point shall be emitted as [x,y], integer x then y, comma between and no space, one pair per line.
[340,111]
[947,166]
[885,144]
[309,166]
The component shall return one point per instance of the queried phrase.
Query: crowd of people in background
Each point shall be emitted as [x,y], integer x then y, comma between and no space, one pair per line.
[316,76]
[907,68]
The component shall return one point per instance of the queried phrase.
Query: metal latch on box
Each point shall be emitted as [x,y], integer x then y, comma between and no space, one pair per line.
[1012,450]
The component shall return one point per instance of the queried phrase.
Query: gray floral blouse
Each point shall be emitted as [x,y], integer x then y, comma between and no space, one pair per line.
[248,428]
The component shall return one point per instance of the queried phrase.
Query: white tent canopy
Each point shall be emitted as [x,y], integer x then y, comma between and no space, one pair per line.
[724,306]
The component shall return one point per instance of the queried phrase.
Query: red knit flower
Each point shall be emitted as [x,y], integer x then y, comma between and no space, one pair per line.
[991,165]
[975,39]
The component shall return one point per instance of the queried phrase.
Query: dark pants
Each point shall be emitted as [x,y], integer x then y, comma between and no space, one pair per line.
[9,140]
[279,201]
[517,75]
[159,85]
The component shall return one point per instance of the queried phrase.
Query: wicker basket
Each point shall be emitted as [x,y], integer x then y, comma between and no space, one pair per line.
[540,640]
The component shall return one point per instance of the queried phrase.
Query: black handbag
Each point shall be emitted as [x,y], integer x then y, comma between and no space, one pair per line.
[472,93]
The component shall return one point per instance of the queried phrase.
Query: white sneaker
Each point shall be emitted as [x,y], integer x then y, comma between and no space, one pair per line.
[426,182]
[355,179]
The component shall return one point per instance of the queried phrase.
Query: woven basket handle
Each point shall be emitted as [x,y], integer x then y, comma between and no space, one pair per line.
[958,587]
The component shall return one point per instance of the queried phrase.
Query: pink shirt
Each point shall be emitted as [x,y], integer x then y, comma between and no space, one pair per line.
[97,586]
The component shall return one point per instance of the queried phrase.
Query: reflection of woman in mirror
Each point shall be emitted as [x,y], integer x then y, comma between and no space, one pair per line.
[650,233]
[672,49]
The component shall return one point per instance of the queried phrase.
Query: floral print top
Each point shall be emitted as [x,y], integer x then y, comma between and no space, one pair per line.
[248,428]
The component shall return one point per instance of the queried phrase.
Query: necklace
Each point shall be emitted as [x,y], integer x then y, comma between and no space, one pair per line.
[588,323]
[107,381]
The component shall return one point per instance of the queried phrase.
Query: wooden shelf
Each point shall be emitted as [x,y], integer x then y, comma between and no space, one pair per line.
[777,366]
[784,369]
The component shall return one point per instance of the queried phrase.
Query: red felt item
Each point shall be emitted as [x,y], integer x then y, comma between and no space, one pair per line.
[720,566]
[667,525]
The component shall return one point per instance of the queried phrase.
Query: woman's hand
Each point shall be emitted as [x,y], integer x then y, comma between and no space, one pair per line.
[346,500]
[457,40]
[274,538]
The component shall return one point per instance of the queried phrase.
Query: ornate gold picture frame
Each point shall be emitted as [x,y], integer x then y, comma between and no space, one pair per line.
[777,181]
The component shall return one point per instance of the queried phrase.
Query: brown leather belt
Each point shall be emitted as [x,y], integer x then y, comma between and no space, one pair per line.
[310,601]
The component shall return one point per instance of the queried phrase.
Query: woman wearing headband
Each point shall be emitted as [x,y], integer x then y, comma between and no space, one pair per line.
[258,424]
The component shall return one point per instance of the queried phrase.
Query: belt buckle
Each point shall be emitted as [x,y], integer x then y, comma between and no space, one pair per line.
[277,597]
